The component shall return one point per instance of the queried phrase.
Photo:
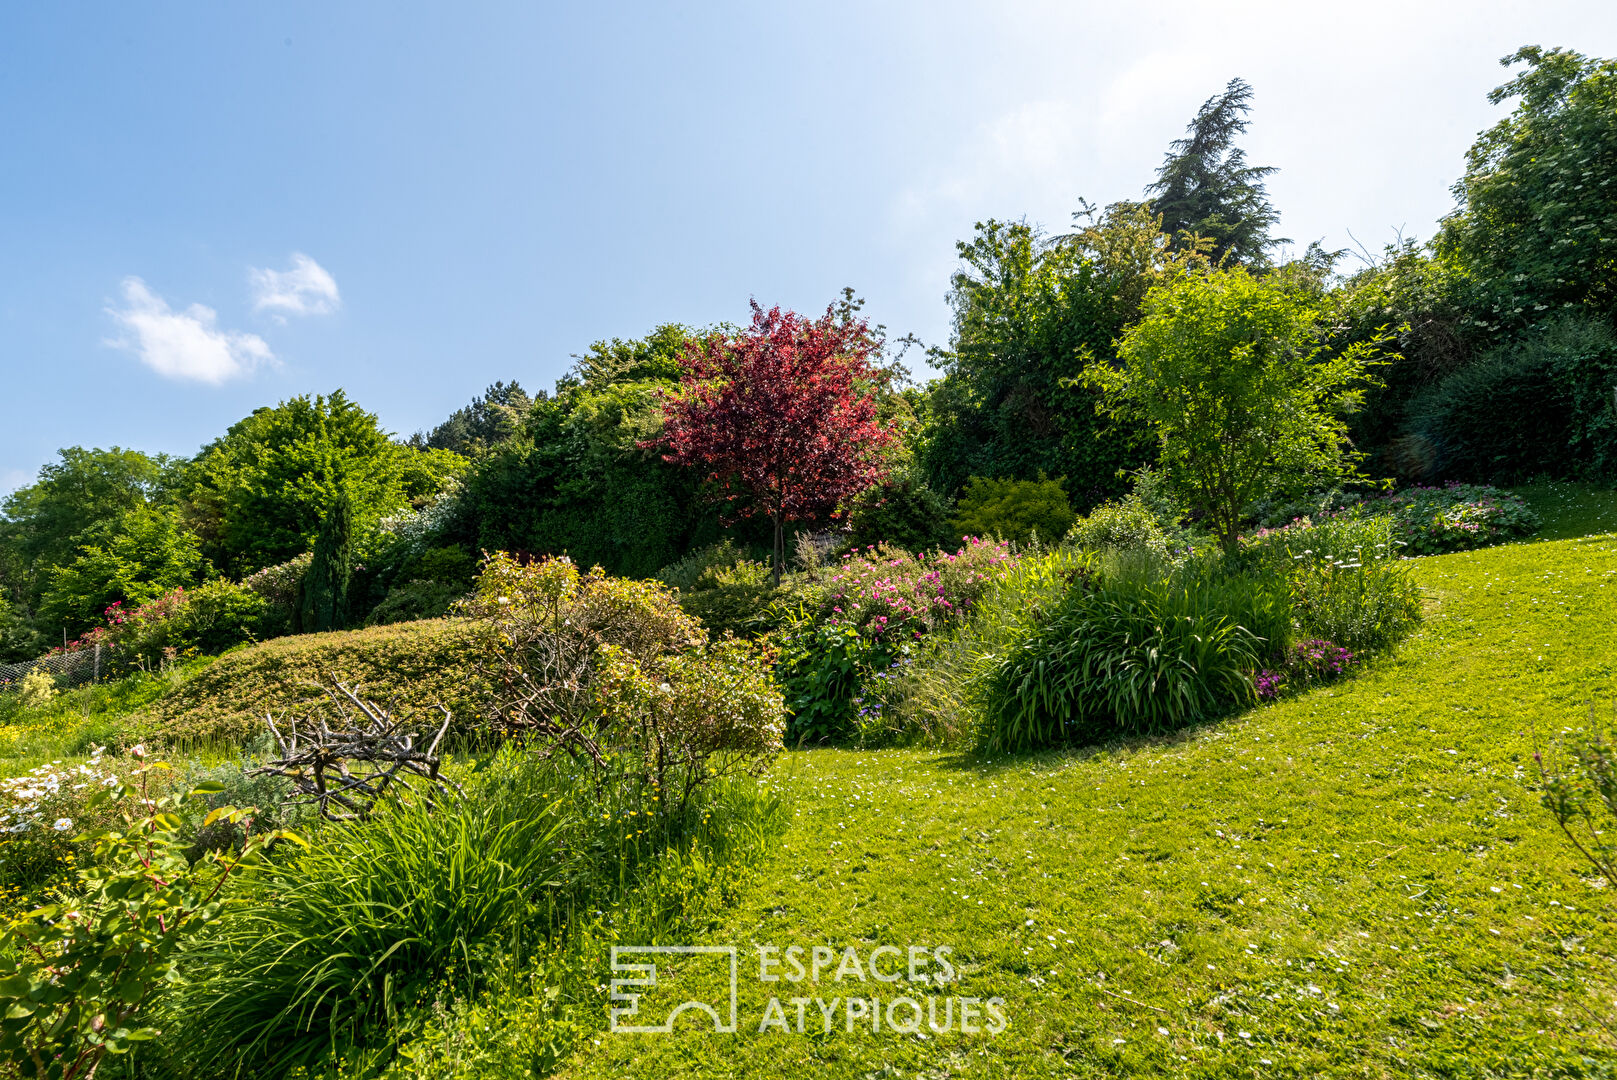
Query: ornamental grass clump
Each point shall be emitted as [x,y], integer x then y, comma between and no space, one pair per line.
[345,935]
[1132,650]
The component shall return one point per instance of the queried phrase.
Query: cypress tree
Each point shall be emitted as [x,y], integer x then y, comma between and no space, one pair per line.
[324,593]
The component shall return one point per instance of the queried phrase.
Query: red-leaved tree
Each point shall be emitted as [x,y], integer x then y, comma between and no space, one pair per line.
[781,417]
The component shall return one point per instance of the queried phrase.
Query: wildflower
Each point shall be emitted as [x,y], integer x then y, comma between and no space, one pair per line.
[63,824]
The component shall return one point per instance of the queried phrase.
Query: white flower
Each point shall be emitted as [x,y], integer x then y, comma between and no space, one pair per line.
[63,824]
[21,826]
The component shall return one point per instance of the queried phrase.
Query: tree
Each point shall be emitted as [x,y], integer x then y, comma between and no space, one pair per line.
[17,639]
[479,427]
[1537,223]
[1027,309]
[1231,373]
[323,599]
[576,479]
[40,524]
[257,496]
[1206,189]
[131,559]
[782,417]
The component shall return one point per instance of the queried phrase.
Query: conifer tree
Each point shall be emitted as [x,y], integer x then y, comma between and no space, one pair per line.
[1205,186]
[324,593]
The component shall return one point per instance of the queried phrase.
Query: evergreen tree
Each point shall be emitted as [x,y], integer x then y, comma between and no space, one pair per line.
[484,424]
[1205,187]
[324,593]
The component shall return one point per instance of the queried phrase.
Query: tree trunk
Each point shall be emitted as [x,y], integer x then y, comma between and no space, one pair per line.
[780,546]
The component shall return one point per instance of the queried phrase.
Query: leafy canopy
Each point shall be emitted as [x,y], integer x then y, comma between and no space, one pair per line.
[1230,373]
[131,559]
[1537,227]
[40,524]
[1027,309]
[257,495]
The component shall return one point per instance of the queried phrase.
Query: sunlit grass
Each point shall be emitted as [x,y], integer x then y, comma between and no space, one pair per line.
[1357,881]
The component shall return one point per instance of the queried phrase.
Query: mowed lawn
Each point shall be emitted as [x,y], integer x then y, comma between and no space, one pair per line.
[1356,882]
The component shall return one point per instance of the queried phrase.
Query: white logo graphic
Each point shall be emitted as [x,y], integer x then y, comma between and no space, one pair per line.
[644,976]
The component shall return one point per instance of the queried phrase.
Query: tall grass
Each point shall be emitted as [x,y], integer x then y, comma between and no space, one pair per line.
[340,937]
[334,952]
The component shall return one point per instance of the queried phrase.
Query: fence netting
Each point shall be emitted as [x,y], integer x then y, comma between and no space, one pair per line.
[69,669]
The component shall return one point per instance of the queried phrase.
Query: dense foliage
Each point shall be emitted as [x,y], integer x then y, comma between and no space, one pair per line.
[1018,510]
[1028,308]
[1206,189]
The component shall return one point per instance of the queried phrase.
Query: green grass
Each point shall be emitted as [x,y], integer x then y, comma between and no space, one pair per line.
[1355,882]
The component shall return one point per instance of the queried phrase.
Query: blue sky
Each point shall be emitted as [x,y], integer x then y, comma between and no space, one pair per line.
[211,207]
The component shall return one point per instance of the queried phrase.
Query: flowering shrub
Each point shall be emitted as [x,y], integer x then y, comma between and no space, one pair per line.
[1456,517]
[207,619]
[36,688]
[1347,581]
[1306,662]
[888,595]
[79,978]
[1431,520]
[614,673]
[279,583]
[877,604]
[692,717]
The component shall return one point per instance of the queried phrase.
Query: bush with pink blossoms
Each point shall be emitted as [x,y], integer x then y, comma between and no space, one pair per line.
[890,596]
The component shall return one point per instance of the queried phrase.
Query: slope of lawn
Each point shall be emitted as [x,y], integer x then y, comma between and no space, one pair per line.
[1355,882]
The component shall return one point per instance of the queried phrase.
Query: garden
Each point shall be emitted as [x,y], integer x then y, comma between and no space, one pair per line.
[1183,678]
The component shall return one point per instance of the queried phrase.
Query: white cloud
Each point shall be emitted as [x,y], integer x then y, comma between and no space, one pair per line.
[306,289]
[184,344]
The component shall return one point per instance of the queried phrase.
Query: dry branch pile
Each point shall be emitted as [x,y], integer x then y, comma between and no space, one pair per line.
[346,768]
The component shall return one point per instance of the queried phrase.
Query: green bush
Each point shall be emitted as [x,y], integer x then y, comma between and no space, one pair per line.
[428,662]
[1125,525]
[1502,419]
[18,640]
[1012,509]
[1539,405]
[821,669]
[1134,652]
[903,511]
[414,600]
[727,591]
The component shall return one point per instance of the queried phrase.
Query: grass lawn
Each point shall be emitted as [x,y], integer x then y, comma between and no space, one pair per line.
[1355,882]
